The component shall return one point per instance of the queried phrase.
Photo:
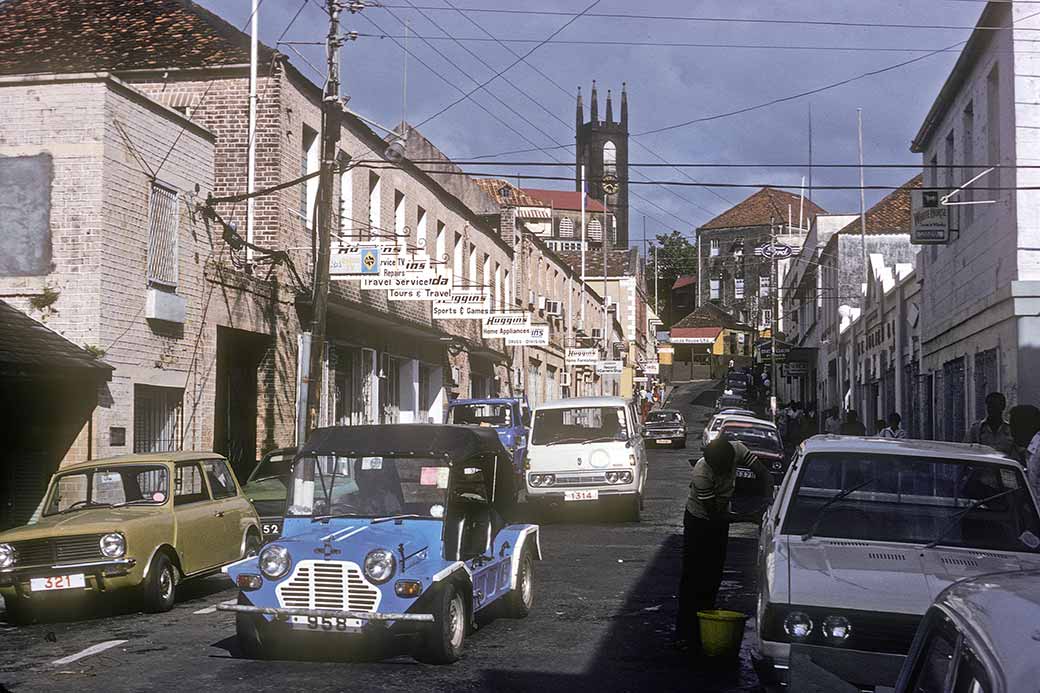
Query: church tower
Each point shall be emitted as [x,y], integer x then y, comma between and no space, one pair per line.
[602,147]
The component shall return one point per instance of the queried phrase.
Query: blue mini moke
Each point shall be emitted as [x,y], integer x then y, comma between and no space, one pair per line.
[392,530]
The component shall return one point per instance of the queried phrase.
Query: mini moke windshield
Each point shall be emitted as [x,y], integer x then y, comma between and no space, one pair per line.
[368,486]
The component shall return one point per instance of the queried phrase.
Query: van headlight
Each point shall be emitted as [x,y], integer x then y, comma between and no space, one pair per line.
[836,629]
[798,625]
[274,561]
[7,555]
[113,545]
[380,565]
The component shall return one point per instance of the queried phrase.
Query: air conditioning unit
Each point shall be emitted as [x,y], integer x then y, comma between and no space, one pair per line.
[565,379]
[552,308]
[530,299]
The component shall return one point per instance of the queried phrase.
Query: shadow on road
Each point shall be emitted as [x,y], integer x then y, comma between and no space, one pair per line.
[636,654]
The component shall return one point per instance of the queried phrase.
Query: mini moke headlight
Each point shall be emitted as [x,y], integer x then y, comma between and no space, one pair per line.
[274,561]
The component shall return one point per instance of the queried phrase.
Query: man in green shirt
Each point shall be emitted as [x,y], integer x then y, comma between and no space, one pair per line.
[705,535]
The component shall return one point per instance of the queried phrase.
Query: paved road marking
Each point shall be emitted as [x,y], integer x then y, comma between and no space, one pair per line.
[92,650]
[212,609]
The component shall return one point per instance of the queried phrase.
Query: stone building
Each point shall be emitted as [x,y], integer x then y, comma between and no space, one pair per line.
[733,272]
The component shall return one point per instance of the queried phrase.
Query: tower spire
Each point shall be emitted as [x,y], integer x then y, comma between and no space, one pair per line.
[610,108]
[624,104]
[594,108]
[579,115]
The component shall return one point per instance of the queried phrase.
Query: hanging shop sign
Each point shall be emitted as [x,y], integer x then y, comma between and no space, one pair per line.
[538,335]
[471,303]
[930,218]
[650,367]
[354,262]
[609,367]
[581,357]
[502,325]
[693,340]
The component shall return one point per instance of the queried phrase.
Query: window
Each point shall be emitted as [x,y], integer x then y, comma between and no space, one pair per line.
[993,125]
[609,159]
[426,393]
[767,317]
[456,262]
[421,238]
[472,272]
[221,485]
[738,249]
[162,236]
[949,160]
[579,424]
[713,289]
[508,289]
[764,285]
[933,664]
[485,271]
[399,219]
[738,288]
[967,159]
[188,486]
[310,162]
[375,194]
[498,285]
[567,227]
[439,248]
[346,204]
[713,247]
[933,171]
[595,231]
[141,485]
[157,418]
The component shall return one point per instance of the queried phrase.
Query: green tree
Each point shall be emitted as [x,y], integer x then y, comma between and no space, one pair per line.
[677,257]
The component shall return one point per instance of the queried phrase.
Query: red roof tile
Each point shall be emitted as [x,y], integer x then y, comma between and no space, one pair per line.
[891,214]
[493,187]
[683,281]
[565,199]
[763,206]
[101,35]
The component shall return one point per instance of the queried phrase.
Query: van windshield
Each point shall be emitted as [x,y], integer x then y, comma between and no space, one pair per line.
[483,414]
[579,425]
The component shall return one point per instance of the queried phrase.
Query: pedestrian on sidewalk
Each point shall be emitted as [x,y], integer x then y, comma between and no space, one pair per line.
[1024,421]
[993,431]
[833,423]
[893,430]
[705,536]
[853,426]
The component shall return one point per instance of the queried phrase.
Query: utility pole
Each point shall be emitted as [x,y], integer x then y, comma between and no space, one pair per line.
[330,126]
[606,311]
[657,281]
[862,199]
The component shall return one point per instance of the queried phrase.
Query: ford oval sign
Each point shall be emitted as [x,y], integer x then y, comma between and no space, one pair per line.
[776,251]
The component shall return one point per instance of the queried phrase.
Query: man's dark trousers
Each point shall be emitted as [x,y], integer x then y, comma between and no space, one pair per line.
[704,556]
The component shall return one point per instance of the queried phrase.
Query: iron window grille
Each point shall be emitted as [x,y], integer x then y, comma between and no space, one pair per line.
[162,235]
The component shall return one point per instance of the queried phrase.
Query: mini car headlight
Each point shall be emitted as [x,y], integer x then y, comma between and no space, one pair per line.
[7,555]
[798,625]
[380,565]
[274,561]
[612,477]
[837,629]
[113,545]
[624,477]
[536,479]
[549,479]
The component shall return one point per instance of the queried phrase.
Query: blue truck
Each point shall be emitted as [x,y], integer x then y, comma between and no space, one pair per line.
[509,416]
[392,530]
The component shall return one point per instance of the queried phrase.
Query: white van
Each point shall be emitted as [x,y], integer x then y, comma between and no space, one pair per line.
[586,449]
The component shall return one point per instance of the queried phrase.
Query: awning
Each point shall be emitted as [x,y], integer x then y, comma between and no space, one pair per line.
[31,349]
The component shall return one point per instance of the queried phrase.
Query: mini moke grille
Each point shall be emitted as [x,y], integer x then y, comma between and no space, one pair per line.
[328,585]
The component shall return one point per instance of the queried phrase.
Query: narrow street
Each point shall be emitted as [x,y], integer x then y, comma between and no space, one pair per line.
[604,610]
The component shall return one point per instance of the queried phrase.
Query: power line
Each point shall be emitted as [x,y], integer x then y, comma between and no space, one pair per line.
[685,44]
[740,165]
[722,20]
[511,65]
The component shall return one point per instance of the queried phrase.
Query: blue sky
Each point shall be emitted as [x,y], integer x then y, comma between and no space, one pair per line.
[667,85]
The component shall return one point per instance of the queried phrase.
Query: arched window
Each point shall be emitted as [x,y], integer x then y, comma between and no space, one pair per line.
[609,158]
[595,231]
[567,227]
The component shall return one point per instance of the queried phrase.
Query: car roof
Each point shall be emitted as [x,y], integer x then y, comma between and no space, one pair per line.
[145,458]
[907,446]
[749,420]
[456,442]
[575,402]
[484,400]
[1002,609]
[665,411]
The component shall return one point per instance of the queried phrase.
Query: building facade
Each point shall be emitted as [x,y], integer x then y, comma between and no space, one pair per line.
[602,150]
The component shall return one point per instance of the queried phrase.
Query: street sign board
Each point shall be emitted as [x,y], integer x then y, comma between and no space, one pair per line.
[609,367]
[538,335]
[930,218]
[352,262]
[502,325]
[797,368]
[774,251]
[650,367]
[693,340]
[581,357]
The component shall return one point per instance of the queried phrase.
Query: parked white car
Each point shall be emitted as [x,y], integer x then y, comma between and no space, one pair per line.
[586,449]
[714,425]
[861,537]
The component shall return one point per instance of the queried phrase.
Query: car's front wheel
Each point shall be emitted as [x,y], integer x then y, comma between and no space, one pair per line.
[444,640]
[18,611]
[519,601]
[160,587]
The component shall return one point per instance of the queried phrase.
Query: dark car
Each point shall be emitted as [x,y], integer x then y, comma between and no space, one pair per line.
[730,401]
[267,487]
[761,439]
[665,427]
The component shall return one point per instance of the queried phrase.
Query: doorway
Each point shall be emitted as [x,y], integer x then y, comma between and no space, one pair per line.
[239,355]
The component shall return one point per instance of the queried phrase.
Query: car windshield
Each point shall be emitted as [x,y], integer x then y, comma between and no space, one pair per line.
[107,487]
[914,500]
[730,401]
[331,485]
[274,466]
[499,415]
[579,425]
[755,437]
[663,417]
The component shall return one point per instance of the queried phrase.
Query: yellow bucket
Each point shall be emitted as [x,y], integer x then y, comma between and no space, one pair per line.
[721,632]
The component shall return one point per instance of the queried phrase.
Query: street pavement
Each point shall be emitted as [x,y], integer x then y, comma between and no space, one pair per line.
[605,605]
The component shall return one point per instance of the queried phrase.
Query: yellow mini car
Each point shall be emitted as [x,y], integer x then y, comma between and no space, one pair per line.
[136,522]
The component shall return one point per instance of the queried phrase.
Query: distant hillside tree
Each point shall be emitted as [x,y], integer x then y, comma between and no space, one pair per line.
[678,258]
